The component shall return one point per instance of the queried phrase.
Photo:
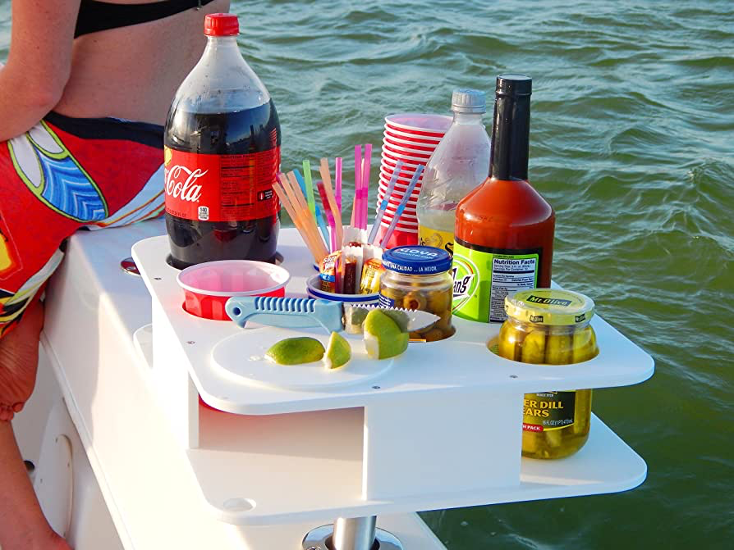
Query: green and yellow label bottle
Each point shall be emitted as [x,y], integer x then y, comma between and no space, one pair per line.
[504,228]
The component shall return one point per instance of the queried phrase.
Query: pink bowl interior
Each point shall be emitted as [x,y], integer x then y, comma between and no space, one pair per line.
[234,278]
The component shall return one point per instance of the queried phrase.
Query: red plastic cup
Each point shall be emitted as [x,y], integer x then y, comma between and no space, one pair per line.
[419,124]
[410,138]
[403,153]
[399,237]
[408,215]
[209,285]
[409,221]
[409,163]
[398,191]
[406,221]
[410,148]
[390,161]
[404,176]
[393,203]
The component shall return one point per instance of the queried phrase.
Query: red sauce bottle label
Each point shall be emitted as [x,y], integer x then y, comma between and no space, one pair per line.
[221,188]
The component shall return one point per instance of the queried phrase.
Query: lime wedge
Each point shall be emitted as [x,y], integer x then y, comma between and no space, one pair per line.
[383,338]
[338,352]
[296,351]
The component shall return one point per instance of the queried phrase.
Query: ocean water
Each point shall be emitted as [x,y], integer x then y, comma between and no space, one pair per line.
[632,138]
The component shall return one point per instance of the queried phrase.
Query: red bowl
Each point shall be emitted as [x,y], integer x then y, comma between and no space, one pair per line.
[209,285]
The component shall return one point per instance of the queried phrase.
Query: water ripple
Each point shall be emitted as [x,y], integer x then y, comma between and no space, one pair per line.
[632,142]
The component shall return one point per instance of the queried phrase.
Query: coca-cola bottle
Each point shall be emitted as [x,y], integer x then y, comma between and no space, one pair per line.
[222,155]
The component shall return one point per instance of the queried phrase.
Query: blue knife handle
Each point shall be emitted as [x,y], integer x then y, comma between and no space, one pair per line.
[286,312]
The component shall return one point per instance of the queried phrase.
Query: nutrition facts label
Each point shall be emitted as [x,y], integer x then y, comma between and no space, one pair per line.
[484,276]
[509,274]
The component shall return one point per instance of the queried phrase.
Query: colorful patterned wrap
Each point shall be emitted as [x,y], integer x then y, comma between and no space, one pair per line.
[62,175]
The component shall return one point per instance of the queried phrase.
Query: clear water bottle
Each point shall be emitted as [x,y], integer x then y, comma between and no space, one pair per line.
[459,164]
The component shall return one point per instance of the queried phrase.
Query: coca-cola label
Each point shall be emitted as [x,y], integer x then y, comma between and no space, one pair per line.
[221,188]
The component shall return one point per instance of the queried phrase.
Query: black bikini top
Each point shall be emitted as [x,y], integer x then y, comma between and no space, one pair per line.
[100,16]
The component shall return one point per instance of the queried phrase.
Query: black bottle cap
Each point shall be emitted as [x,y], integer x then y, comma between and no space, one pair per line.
[514,85]
[511,128]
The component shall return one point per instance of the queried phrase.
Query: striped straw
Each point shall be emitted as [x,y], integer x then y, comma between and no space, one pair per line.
[357,184]
[385,201]
[316,212]
[329,216]
[338,183]
[365,191]
[401,206]
[309,187]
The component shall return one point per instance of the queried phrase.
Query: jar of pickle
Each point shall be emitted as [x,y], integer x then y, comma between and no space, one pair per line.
[418,277]
[552,327]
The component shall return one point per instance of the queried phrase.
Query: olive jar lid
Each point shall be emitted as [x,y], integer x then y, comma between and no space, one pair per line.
[417,260]
[550,306]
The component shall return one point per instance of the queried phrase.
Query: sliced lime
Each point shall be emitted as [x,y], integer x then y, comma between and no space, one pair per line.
[338,352]
[382,336]
[295,351]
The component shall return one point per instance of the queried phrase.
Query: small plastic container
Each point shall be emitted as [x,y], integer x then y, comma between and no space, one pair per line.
[419,277]
[208,286]
[313,290]
[550,326]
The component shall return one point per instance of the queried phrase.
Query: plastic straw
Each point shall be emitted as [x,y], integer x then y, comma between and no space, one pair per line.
[326,176]
[293,212]
[309,187]
[329,215]
[316,213]
[399,212]
[290,185]
[357,183]
[324,232]
[365,191]
[385,201]
[339,182]
[279,190]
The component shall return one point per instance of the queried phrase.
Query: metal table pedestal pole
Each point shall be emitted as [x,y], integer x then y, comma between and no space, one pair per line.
[351,534]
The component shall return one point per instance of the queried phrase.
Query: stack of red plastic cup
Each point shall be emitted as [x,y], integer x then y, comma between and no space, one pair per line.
[410,138]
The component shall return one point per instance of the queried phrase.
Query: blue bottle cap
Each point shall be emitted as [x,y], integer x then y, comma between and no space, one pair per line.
[417,260]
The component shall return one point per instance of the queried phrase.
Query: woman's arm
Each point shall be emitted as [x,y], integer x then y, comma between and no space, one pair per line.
[39,62]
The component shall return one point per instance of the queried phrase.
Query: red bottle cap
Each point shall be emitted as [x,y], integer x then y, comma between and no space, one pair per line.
[221,24]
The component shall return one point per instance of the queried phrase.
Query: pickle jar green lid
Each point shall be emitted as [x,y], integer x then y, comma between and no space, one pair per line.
[550,306]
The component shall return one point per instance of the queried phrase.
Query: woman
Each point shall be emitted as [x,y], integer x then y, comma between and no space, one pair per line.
[78,72]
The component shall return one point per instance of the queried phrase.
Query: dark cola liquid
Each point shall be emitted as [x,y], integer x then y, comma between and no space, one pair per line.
[240,132]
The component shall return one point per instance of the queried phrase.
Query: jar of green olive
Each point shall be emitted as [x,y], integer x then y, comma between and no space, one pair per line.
[419,277]
[551,326]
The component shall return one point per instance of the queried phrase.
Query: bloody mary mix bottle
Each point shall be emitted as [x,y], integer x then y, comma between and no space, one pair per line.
[504,228]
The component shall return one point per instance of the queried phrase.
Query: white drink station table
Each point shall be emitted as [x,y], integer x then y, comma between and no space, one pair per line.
[438,427]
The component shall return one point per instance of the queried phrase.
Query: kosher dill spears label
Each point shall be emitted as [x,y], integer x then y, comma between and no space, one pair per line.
[484,276]
[544,412]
